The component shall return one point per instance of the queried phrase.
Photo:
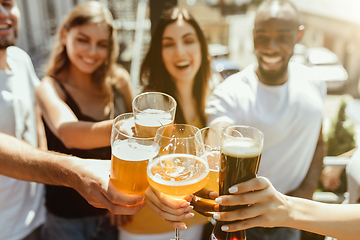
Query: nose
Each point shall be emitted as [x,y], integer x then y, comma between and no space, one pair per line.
[180,48]
[273,45]
[93,49]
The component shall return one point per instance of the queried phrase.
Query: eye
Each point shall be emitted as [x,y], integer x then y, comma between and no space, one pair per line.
[8,3]
[82,40]
[284,39]
[167,44]
[261,39]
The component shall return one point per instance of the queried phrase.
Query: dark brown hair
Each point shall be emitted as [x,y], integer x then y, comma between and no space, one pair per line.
[153,73]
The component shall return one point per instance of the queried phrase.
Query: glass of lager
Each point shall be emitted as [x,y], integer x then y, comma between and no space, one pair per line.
[179,171]
[209,140]
[151,109]
[130,156]
[241,148]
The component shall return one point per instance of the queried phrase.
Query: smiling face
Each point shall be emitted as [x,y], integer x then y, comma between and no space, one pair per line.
[87,46]
[9,17]
[181,51]
[275,36]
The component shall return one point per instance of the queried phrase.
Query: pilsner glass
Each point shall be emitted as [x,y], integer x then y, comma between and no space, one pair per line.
[178,171]
[151,109]
[130,156]
[241,148]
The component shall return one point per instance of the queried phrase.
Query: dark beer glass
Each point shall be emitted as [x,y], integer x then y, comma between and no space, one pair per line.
[241,148]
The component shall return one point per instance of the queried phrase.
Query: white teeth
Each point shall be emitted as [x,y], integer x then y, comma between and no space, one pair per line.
[88,60]
[271,60]
[4,26]
[182,64]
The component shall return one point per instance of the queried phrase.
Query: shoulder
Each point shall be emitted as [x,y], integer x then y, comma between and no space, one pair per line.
[17,53]
[306,75]
[238,83]
[50,84]
[120,76]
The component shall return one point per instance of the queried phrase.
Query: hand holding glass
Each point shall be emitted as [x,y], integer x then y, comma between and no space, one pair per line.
[178,171]
[130,156]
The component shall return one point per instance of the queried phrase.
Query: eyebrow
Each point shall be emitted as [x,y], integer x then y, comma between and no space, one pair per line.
[185,35]
[86,36]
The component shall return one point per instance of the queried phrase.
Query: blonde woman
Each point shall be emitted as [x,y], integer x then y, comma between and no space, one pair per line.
[80,95]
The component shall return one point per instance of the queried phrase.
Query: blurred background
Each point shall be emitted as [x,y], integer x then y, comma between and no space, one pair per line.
[331,46]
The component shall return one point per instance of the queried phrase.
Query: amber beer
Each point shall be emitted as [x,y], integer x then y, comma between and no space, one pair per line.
[178,175]
[213,159]
[129,161]
[240,159]
[150,120]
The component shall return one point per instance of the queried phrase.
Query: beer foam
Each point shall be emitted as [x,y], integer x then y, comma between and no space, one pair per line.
[241,147]
[178,170]
[134,151]
[153,118]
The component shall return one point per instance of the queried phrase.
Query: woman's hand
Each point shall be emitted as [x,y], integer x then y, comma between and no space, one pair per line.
[267,207]
[171,210]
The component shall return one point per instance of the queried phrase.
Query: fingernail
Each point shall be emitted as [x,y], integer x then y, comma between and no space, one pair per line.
[216,216]
[185,204]
[188,209]
[189,215]
[233,190]
[218,200]
[224,228]
[183,227]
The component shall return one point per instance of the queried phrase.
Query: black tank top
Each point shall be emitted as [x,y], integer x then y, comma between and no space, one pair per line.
[63,201]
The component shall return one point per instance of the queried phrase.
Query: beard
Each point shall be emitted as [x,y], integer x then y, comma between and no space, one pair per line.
[7,41]
[273,76]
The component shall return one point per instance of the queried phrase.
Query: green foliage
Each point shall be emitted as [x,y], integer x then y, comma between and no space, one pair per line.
[340,137]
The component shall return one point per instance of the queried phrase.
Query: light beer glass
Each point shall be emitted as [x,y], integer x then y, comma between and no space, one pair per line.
[130,156]
[152,109]
[241,149]
[178,171]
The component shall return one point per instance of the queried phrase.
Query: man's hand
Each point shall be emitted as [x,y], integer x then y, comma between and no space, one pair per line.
[93,183]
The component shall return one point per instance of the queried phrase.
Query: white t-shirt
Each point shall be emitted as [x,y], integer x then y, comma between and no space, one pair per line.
[21,203]
[289,115]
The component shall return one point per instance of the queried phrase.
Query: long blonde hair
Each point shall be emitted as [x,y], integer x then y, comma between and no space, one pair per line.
[82,14]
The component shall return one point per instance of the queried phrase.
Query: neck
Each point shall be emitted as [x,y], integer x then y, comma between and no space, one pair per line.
[78,78]
[184,90]
[3,63]
[272,80]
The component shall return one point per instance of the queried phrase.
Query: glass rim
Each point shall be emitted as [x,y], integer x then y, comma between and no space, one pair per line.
[134,137]
[178,124]
[148,93]
[181,183]
[242,126]
[206,128]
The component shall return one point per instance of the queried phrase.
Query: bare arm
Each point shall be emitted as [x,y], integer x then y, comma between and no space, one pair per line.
[90,178]
[269,208]
[310,183]
[64,124]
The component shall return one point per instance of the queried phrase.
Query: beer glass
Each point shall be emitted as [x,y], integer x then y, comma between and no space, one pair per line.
[179,171]
[150,109]
[241,148]
[130,156]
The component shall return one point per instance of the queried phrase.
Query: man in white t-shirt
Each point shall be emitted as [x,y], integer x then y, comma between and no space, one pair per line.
[283,101]
[21,203]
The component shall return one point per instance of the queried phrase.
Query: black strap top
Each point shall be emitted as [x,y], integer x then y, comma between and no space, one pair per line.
[63,201]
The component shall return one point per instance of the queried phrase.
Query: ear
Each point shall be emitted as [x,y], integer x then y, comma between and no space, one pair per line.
[300,33]
[63,36]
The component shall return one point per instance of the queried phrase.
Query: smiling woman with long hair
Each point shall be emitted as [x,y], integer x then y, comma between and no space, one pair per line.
[79,97]
[177,63]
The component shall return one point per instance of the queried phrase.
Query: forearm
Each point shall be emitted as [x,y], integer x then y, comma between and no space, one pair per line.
[21,161]
[341,221]
[85,135]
